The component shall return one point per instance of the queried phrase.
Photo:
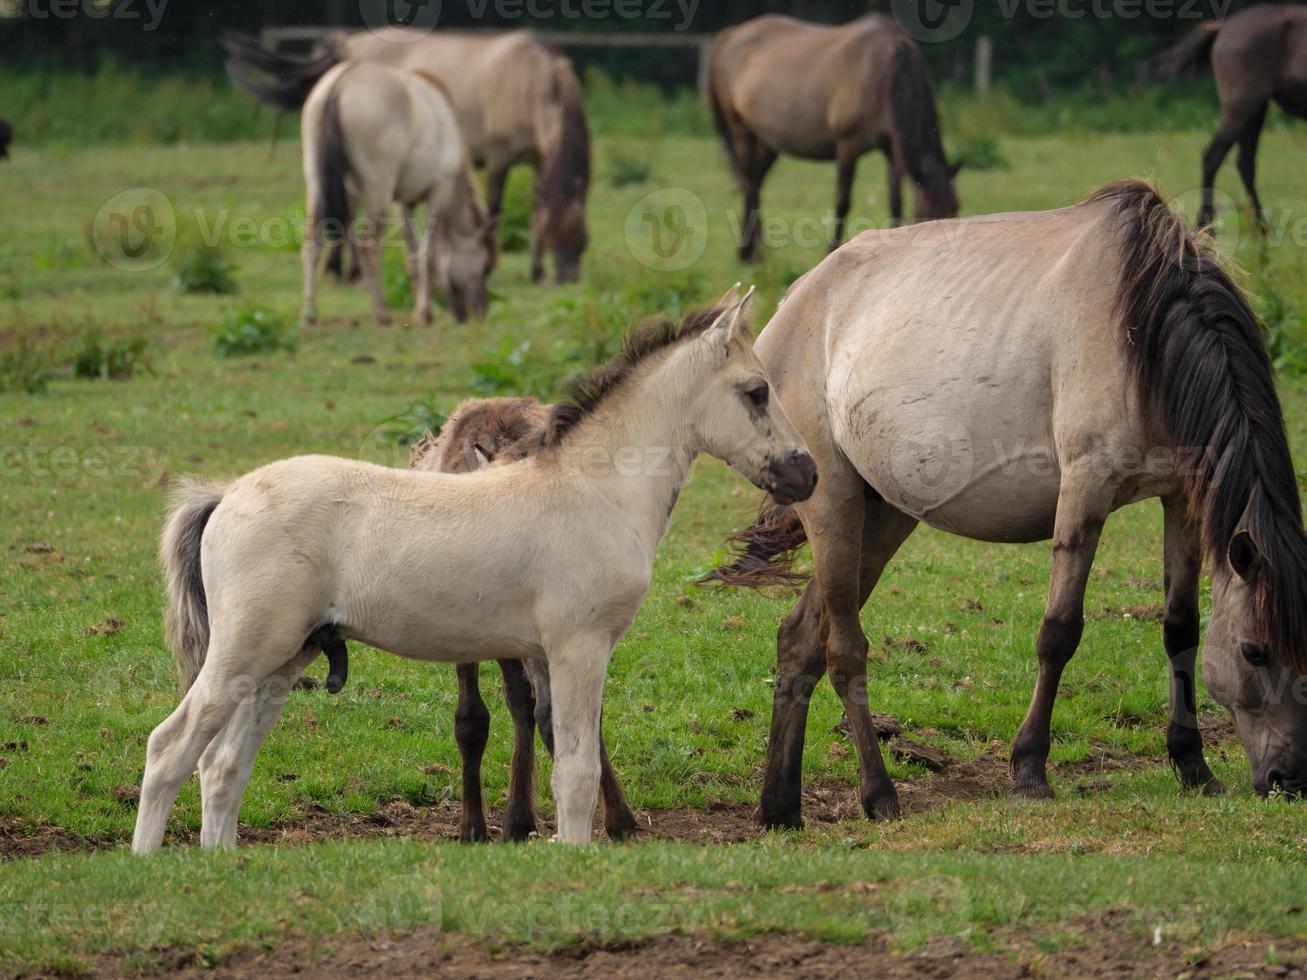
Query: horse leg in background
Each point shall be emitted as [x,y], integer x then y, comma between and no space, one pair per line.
[538,218]
[422,253]
[895,189]
[1084,501]
[310,250]
[1232,125]
[755,160]
[1183,565]
[412,244]
[1247,162]
[226,764]
[619,821]
[366,242]
[520,813]
[846,168]
[471,731]
[576,685]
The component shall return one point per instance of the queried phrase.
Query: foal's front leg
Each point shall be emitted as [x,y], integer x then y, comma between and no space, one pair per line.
[1084,501]
[577,667]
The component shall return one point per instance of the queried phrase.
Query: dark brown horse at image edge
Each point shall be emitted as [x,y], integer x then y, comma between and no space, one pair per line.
[1080,360]
[1258,56]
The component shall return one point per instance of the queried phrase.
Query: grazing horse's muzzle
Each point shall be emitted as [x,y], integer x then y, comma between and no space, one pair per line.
[793,478]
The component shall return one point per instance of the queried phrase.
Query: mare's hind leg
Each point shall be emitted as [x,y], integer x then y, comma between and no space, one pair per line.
[471,731]
[226,764]
[619,821]
[755,160]
[520,813]
[1183,561]
[801,664]
[1247,160]
[1084,501]
[895,189]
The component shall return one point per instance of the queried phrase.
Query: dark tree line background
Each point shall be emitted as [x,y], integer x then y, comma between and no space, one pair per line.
[1040,46]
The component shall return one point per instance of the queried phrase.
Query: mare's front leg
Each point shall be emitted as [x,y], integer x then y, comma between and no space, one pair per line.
[1084,501]
[577,666]
[619,820]
[471,732]
[421,260]
[226,764]
[1183,565]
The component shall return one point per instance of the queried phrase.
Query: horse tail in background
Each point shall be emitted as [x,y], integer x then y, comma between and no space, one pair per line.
[565,169]
[763,553]
[186,620]
[1190,55]
[912,105]
[331,211]
[285,81]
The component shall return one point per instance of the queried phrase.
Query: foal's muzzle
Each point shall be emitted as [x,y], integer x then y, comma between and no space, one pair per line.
[792,478]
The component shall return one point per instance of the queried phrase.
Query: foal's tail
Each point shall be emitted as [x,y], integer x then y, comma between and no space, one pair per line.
[763,553]
[1190,55]
[186,620]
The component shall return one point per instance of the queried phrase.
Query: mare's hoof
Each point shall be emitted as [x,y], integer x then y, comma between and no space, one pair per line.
[1213,787]
[1031,791]
[622,827]
[788,819]
[518,829]
[472,833]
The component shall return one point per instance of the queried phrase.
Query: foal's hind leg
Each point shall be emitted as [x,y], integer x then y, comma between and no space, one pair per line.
[1084,502]
[471,731]
[1184,741]
[226,764]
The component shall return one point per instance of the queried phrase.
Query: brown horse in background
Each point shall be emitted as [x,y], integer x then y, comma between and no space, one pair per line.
[481,432]
[517,100]
[1258,55]
[779,85]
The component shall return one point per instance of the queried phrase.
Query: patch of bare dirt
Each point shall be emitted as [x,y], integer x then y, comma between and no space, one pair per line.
[1106,950]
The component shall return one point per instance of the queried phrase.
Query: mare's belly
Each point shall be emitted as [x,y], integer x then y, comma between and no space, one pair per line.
[956,458]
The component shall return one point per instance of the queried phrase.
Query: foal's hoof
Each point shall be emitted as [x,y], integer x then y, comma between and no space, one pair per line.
[1031,791]
[780,819]
[1213,787]
[472,832]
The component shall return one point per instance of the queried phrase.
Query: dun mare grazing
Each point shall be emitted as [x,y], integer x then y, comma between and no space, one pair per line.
[780,85]
[1258,55]
[390,136]
[1076,361]
[516,98]
[547,557]
[483,432]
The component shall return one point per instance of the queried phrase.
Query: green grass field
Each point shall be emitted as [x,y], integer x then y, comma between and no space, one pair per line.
[84,476]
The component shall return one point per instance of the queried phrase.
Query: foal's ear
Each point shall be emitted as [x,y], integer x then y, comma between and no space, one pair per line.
[730,322]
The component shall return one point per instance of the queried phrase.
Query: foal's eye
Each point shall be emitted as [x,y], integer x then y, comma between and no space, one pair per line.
[757,396]
[1254,654]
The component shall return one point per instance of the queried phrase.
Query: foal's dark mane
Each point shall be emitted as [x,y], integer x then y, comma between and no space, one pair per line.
[1202,369]
[583,395]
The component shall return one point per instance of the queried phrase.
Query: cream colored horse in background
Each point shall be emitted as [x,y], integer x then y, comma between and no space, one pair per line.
[390,136]
[548,557]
